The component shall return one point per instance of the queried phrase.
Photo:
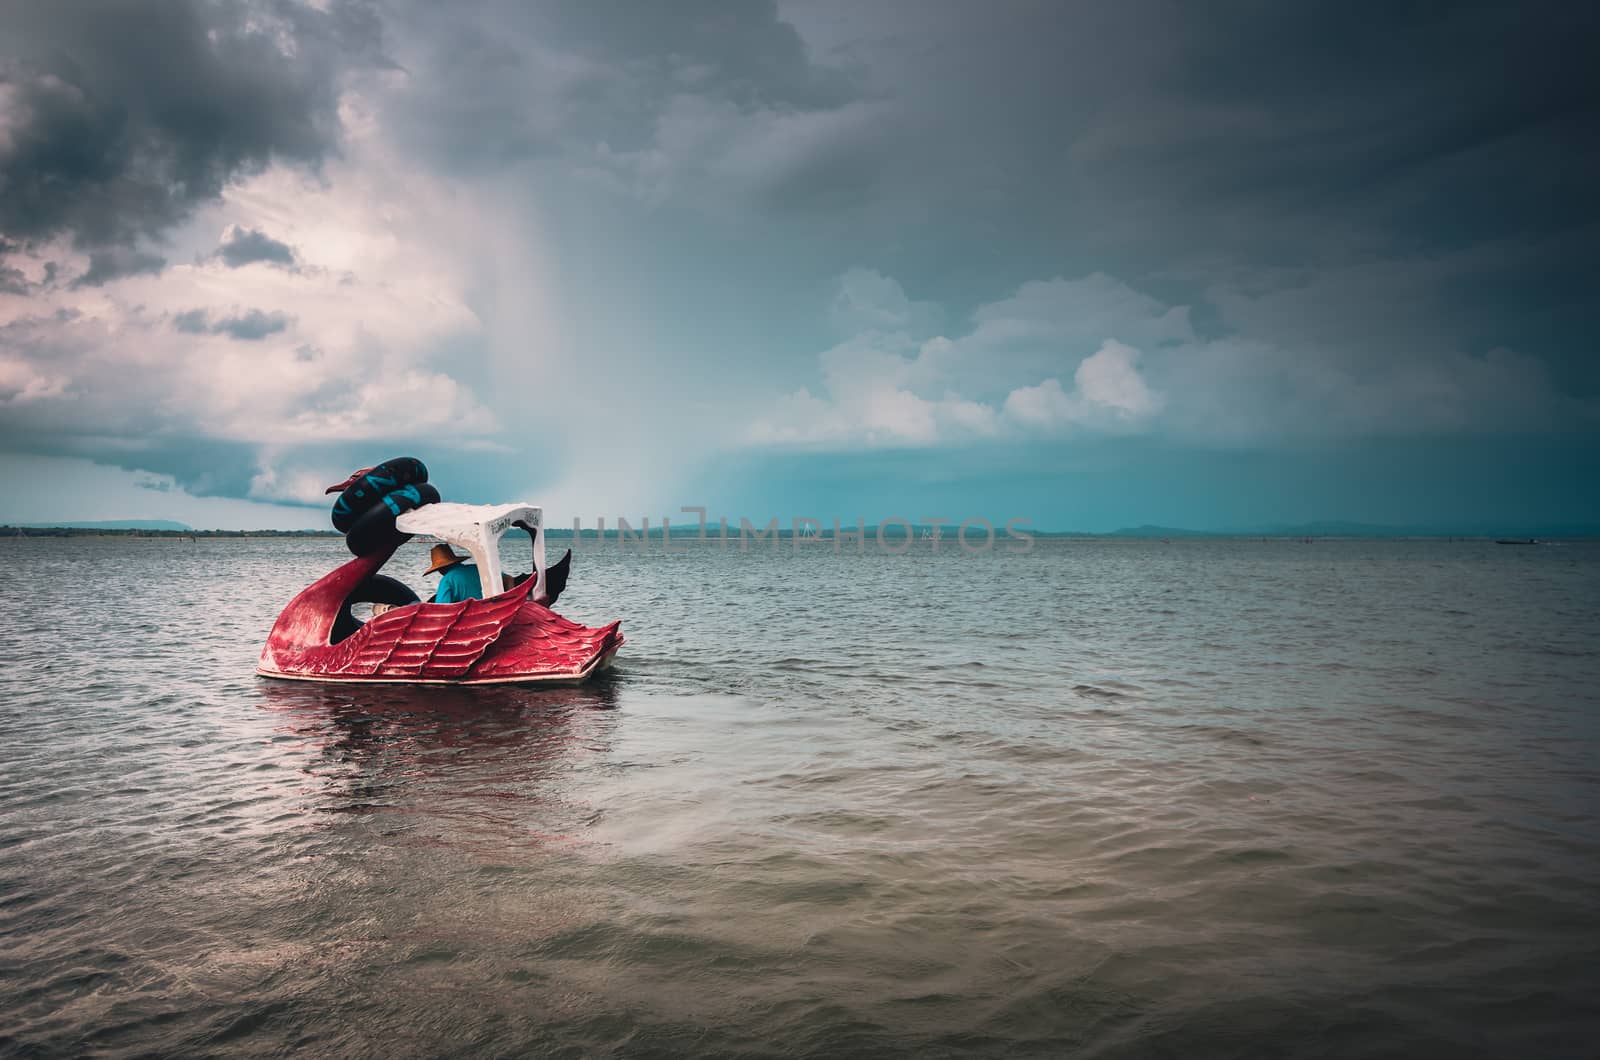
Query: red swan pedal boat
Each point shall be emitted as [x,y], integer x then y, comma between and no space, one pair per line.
[510,638]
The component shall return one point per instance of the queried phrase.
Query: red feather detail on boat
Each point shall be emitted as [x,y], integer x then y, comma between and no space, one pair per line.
[562,645]
[428,640]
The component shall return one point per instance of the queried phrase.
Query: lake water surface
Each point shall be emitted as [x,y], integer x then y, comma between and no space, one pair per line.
[1104,798]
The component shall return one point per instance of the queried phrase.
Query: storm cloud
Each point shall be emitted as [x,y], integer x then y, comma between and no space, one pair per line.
[645,93]
[906,226]
[118,118]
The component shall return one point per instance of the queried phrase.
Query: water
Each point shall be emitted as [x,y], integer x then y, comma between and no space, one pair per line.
[1105,798]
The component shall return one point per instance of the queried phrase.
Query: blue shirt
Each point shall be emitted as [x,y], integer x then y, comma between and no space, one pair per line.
[457,583]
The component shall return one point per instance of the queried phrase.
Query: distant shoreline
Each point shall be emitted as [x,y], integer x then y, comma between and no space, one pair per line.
[106,531]
[688,537]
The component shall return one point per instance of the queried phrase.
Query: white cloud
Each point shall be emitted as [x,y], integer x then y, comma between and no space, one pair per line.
[1045,405]
[1067,313]
[884,388]
[868,300]
[278,482]
[1110,393]
[22,383]
[1292,369]
[1110,379]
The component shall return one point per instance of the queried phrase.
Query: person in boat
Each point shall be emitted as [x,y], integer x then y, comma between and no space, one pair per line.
[459,580]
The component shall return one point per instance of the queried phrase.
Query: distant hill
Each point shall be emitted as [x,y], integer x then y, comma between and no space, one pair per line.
[1333,528]
[110,524]
[1160,531]
[1321,529]
[146,528]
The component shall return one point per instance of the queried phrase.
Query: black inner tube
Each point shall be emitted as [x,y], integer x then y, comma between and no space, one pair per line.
[375,530]
[370,488]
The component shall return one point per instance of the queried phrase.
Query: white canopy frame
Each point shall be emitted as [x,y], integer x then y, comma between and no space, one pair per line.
[478,529]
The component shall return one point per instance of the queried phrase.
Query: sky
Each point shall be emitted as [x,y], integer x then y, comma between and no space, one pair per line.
[1089,265]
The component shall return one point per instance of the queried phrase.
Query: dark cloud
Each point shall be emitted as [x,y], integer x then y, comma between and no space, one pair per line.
[1435,124]
[968,148]
[249,326]
[12,281]
[742,51]
[123,115]
[506,80]
[192,322]
[1191,147]
[115,263]
[246,246]
[202,465]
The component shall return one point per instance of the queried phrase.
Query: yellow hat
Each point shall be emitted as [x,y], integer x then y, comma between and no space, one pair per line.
[442,557]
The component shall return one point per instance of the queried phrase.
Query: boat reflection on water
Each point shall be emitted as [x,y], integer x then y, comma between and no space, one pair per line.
[480,769]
